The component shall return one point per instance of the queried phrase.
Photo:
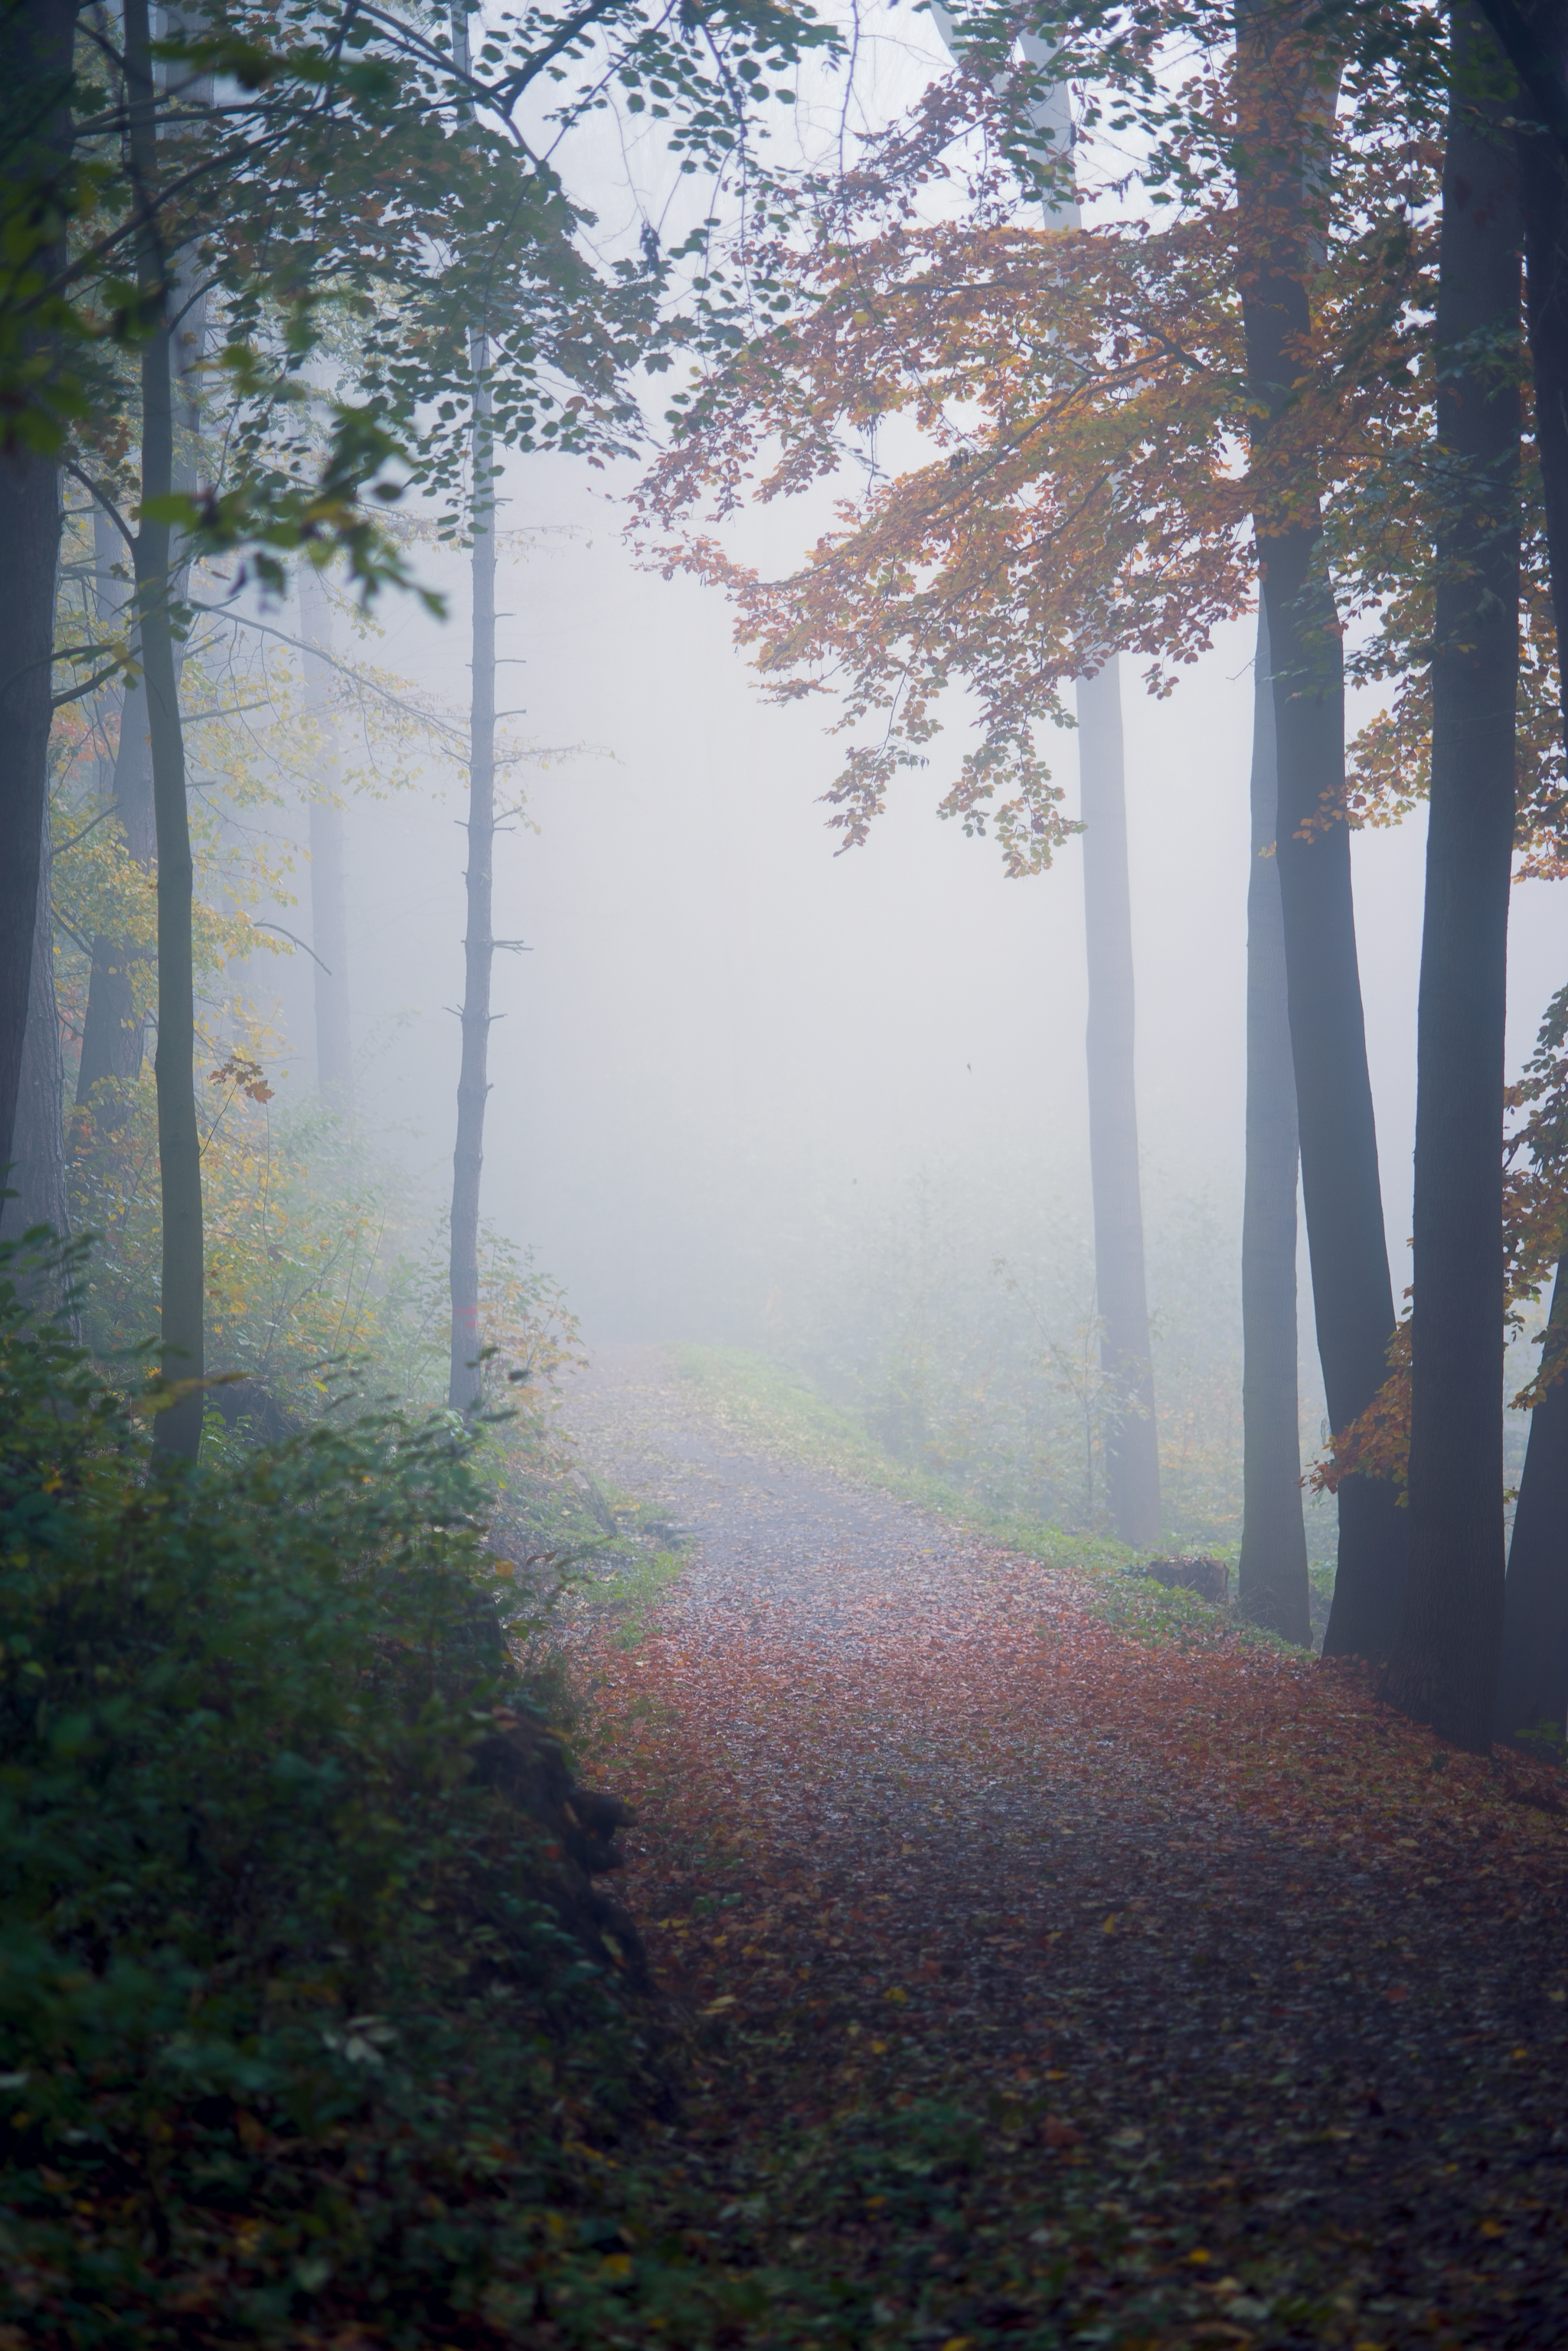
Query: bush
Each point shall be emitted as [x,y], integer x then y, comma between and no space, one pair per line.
[300,2012]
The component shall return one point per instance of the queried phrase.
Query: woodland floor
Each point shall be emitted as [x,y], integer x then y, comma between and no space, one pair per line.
[1053,1983]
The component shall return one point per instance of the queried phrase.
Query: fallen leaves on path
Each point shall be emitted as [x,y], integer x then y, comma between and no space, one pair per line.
[1049,1985]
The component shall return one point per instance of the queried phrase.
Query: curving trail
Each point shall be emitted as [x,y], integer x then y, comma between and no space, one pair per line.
[1055,1985]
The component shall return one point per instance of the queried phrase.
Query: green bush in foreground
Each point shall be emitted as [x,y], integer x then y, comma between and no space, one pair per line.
[292,2023]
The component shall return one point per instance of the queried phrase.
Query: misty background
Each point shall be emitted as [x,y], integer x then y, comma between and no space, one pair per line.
[729,1056]
[748,1092]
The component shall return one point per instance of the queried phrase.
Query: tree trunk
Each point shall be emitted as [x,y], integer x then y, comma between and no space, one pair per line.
[1352,1295]
[1532,1682]
[328,921]
[177,1430]
[1445,1664]
[1271,1581]
[465,1386]
[37,1177]
[1533,1679]
[36,67]
[1543,182]
[479,947]
[1132,1462]
[1133,1451]
[112,1032]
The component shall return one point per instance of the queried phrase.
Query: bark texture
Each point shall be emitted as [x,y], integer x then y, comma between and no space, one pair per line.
[178,1429]
[35,74]
[1443,1667]
[38,1175]
[1533,1677]
[1273,1588]
[1281,86]
[1133,1462]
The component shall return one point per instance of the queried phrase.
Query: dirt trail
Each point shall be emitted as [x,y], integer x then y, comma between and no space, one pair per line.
[1256,2021]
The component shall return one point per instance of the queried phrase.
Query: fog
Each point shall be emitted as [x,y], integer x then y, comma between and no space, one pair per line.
[726,1051]
[723,1035]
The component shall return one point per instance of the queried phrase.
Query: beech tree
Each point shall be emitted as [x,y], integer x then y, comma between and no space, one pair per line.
[1084,393]
[1444,1668]
[1287,76]
[37,134]
[1532,1688]
[1271,1574]
[465,1386]
[1121,1283]
[1478,715]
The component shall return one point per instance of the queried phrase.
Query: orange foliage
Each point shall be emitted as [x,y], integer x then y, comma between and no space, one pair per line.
[1088,485]
[1083,396]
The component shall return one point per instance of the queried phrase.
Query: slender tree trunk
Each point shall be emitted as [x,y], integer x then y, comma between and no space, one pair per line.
[1445,1664]
[465,1386]
[479,947]
[35,72]
[112,1031]
[1543,181]
[1352,1296]
[1532,1682]
[30,561]
[1133,1462]
[1133,1453]
[1353,1293]
[182,1349]
[1272,1580]
[38,1164]
[1533,1679]
[328,920]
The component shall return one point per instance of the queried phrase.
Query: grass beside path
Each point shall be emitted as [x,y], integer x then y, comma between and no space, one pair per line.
[772,1408]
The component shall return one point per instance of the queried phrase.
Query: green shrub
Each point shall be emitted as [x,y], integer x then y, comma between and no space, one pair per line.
[293,2020]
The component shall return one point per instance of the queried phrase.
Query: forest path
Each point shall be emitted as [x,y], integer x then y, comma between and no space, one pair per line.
[1057,1985]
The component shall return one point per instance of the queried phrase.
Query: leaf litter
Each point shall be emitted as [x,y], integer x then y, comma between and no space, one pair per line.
[1045,1982]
